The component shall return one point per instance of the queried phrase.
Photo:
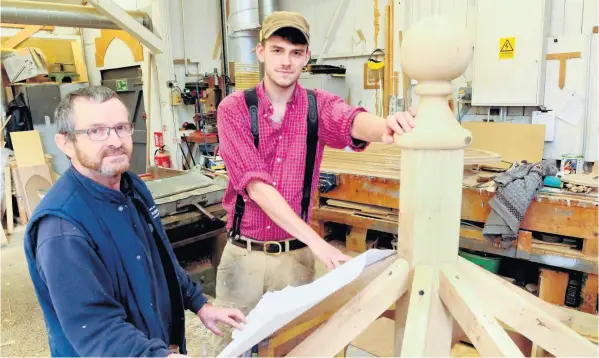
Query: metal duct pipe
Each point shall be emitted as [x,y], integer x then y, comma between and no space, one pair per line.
[267,7]
[244,33]
[54,14]
[225,38]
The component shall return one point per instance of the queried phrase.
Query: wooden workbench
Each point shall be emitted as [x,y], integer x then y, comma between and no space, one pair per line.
[561,215]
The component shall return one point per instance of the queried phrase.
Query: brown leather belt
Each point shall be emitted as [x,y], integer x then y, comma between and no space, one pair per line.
[269,247]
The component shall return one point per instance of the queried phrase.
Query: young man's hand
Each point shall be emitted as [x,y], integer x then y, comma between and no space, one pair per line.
[399,123]
[211,315]
[328,253]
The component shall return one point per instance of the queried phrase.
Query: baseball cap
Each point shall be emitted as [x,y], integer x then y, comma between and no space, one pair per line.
[280,19]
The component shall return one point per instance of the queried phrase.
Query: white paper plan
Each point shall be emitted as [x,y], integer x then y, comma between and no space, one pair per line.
[278,308]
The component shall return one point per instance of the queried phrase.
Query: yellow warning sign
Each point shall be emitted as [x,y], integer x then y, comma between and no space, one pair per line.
[507,48]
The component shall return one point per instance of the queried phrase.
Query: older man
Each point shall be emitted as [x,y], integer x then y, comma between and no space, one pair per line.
[105,275]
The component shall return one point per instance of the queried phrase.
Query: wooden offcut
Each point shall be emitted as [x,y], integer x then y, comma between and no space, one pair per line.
[562,57]
[513,142]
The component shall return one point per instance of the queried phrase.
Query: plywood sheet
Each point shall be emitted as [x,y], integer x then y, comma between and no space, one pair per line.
[512,141]
[28,148]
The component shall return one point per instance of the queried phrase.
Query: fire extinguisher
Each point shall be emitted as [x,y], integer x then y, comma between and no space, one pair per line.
[162,158]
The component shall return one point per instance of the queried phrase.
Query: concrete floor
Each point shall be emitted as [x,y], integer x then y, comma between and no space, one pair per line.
[23,332]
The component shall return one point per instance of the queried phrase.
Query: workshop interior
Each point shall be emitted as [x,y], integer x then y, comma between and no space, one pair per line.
[528,96]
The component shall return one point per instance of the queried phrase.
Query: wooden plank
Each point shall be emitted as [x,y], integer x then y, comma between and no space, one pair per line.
[524,244]
[419,312]
[588,295]
[217,45]
[552,286]
[111,10]
[536,319]
[513,142]
[21,205]
[356,239]
[485,333]
[8,199]
[334,302]
[581,179]
[349,321]
[3,239]
[21,36]
[366,190]
[363,207]
[28,148]
[552,289]
[385,161]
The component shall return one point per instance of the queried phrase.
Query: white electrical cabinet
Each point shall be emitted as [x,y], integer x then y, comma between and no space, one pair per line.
[335,85]
[509,52]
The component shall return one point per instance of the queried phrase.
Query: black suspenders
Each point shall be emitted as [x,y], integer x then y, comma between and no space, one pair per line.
[251,100]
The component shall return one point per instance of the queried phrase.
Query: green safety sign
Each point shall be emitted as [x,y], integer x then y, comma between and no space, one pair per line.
[121,85]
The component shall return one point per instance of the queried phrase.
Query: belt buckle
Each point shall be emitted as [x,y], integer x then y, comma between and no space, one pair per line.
[267,245]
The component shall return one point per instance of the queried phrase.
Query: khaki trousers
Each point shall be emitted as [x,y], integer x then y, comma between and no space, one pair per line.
[243,276]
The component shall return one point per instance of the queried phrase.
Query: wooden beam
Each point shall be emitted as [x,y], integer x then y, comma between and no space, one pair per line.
[334,25]
[539,321]
[79,61]
[487,335]
[19,26]
[417,321]
[21,36]
[111,10]
[351,320]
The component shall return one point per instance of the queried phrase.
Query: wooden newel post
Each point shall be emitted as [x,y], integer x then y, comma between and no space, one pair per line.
[433,52]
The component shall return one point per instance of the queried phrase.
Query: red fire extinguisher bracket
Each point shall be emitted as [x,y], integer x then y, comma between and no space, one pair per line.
[162,158]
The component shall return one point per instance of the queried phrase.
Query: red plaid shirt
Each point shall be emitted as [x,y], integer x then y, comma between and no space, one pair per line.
[281,155]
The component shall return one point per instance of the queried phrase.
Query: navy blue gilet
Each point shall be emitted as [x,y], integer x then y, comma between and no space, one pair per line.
[69,199]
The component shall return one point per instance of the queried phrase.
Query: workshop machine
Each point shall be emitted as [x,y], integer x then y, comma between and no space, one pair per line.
[190,206]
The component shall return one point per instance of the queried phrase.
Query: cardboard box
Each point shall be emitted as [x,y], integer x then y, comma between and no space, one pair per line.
[25,63]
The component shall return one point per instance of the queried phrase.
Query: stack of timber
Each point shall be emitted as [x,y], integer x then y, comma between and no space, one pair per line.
[371,211]
[384,160]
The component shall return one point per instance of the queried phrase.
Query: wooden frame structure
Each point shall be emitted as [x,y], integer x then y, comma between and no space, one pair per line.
[431,286]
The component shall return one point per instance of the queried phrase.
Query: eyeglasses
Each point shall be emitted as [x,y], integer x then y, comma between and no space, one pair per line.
[102,133]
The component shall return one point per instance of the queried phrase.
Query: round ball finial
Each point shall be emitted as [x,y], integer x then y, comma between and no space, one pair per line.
[435,49]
